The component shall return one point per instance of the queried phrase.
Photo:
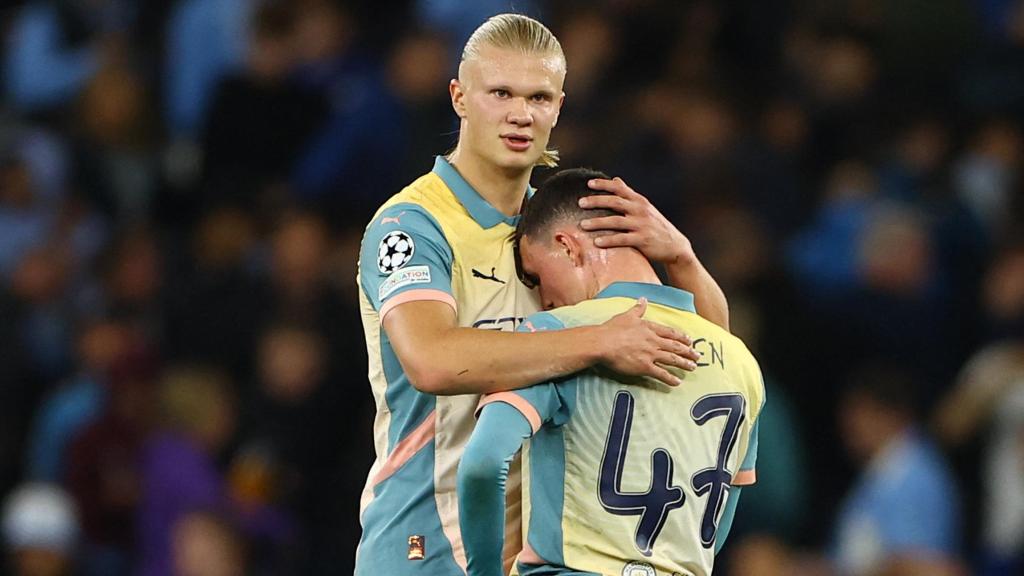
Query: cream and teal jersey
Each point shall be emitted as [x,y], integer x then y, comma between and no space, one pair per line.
[620,477]
[437,239]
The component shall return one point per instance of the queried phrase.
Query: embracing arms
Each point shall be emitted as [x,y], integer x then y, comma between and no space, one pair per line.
[442,358]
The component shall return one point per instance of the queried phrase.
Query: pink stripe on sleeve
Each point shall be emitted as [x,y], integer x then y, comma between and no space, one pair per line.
[517,402]
[744,478]
[417,295]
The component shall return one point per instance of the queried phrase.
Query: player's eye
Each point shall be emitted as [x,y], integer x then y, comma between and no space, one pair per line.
[541,98]
[500,93]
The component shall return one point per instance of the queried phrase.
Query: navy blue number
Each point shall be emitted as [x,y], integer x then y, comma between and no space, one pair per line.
[652,506]
[662,497]
[716,481]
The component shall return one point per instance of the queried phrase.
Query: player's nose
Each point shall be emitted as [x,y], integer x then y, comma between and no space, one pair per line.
[520,114]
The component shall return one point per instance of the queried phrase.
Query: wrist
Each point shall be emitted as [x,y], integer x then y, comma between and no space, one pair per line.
[596,344]
[685,258]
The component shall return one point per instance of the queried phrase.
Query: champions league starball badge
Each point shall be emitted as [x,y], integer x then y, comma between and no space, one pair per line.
[395,250]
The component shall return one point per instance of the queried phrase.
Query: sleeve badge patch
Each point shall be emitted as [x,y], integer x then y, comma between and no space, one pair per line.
[395,250]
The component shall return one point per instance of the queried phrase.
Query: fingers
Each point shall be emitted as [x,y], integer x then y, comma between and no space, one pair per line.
[671,334]
[670,359]
[606,223]
[616,186]
[631,239]
[640,308]
[616,203]
[659,373]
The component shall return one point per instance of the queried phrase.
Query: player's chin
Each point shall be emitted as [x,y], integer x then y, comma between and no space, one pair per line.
[519,160]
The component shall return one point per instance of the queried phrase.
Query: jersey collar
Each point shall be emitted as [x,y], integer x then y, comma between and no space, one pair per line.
[656,293]
[486,216]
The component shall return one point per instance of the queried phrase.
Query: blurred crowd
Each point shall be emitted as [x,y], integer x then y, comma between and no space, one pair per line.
[184,184]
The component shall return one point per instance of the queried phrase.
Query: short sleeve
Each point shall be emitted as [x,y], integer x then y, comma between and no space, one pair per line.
[405,257]
[540,404]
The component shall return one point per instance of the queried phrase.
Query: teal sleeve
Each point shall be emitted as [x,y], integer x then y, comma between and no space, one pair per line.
[481,485]
[750,458]
[404,249]
[540,322]
[725,524]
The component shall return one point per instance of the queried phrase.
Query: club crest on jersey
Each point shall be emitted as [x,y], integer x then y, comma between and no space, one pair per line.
[395,250]
[638,569]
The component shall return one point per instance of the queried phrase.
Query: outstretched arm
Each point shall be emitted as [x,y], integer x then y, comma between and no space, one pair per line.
[481,485]
[442,358]
[643,227]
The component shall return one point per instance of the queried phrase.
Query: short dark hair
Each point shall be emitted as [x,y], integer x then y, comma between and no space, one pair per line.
[557,200]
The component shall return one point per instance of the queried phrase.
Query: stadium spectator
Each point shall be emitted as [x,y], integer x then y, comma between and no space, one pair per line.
[417,67]
[282,458]
[115,168]
[347,165]
[198,415]
[67,410]
[104,466]
[212,310]
[988,403]
[902,515]
[245,160]
[55,48]
[205,39]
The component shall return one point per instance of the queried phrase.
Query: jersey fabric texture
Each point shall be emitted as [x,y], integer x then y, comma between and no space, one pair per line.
[622,476]
[438,240]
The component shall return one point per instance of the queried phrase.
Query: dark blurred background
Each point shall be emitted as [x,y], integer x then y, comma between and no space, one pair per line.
[184,184]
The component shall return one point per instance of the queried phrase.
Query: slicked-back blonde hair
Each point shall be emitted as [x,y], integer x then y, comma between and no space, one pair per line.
[522,33]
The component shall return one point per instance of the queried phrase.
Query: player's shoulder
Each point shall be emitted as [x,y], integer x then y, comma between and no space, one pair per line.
[402,227]
[584,313]
[429,194]
[740,363]
[593,311]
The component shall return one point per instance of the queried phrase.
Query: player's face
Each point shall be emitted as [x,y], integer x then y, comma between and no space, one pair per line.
[509,102]
[555,271]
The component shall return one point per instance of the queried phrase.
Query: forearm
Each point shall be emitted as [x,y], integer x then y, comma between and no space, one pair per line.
[481,486]
[473,361]
[687,273]
[725,524]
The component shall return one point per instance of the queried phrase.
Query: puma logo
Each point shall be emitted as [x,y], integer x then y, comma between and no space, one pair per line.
[394,219]
[479,274]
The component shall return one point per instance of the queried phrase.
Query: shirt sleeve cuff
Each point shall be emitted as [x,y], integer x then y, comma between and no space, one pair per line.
[417,295]
[517,402]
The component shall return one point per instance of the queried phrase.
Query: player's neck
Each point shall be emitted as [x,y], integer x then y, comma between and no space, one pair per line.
[624,265]
[502,188]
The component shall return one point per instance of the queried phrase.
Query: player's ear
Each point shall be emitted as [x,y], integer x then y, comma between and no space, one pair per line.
[570,246]
[561,100]
[458,97]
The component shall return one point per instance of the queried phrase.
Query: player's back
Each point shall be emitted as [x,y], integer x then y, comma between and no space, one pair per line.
[632,478]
